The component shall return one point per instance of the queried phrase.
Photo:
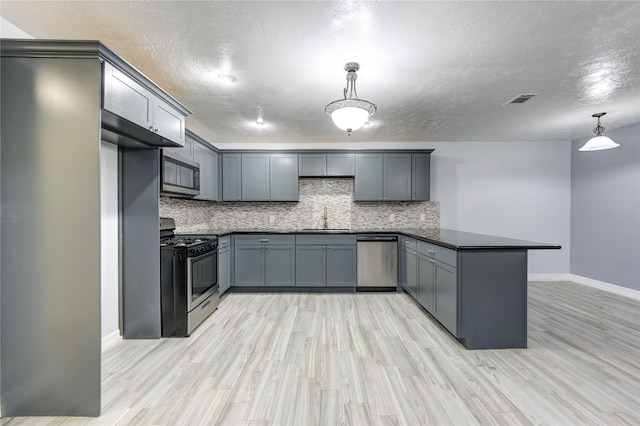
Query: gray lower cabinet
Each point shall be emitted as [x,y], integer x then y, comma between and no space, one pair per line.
[409,272]
[224,264]
[264,260]
[438,283]
[326,261]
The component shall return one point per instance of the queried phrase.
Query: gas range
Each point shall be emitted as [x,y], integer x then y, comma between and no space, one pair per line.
[195,245]
[188,279]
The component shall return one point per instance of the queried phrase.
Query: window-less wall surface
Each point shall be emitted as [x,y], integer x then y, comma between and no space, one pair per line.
[510,189]
[605,210]
[109,242]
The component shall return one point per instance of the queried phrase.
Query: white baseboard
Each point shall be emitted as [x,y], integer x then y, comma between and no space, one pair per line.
[600,285]
[111,339]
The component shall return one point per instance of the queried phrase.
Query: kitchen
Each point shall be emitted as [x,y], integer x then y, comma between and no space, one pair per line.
[516,189]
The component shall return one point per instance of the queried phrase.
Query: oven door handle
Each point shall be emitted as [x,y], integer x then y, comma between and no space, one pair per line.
[202,256]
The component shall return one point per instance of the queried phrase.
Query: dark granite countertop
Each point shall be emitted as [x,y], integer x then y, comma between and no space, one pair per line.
[456,240]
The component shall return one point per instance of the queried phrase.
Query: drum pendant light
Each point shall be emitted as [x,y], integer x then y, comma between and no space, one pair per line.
[599,142]
[350,113]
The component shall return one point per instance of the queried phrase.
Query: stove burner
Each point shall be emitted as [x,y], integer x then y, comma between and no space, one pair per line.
[181,241]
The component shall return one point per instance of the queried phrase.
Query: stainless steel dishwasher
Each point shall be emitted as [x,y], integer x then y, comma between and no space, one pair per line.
[377,263]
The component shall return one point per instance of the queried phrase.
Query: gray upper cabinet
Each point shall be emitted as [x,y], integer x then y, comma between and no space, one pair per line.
[231,177]
[369,177]
[283,177]
[312,165]
[128,99]
[260,177]
[331,164]
[208,160]
[341,164]
[394,176]
[255,177]
[397,177]
[185,151]
[420,177]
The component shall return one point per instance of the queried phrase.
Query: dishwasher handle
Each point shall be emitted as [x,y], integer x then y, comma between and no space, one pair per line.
[377,238]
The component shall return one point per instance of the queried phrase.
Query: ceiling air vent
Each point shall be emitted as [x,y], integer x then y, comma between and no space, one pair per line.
[520,99]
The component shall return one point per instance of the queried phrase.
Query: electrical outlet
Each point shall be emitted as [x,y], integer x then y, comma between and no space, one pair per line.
[392,217]
[272,218]
[422,217]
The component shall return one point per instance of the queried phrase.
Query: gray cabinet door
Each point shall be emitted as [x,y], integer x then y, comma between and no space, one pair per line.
[208,172]
[420,177]
[280,265]
[249,265]
[168,122]
[446,296]
[254,182]
[369,177]
[341,266]
[397,177]
[311,266]
[283,177]
[231,174]
[311,165]
[342,164]
[426,283]
[125,97]
[224,269]
[411,272]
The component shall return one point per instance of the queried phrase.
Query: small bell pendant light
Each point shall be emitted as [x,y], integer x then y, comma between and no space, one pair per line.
[599,142]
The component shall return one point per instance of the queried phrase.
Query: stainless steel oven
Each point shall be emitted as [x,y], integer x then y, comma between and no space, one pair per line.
[188,279]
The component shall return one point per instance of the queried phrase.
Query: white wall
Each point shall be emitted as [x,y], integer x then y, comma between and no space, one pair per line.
[605,210]
[8,30]
[109,232]
[510,189]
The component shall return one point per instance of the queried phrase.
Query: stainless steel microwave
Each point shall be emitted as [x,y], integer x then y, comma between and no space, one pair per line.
[179,176]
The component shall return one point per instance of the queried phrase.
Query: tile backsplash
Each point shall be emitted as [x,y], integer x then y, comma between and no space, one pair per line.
[315,194]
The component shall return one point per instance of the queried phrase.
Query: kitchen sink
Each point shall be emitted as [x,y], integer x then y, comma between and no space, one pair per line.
[324,231]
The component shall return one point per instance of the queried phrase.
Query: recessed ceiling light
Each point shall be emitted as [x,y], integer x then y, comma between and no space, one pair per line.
[260,121]
[226,78]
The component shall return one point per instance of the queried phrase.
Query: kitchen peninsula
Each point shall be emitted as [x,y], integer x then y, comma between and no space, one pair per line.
[475,285]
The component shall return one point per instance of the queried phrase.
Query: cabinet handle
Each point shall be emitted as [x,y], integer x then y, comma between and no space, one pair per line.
[151,128]
[431,251]
[156,130]
[264,240]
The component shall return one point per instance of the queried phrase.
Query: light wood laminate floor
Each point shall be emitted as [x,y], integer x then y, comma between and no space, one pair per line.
[360,359]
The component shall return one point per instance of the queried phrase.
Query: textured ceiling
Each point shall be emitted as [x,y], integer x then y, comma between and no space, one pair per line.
[438,71]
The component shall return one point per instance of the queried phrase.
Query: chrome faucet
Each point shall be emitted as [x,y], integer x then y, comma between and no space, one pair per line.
[326,224]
